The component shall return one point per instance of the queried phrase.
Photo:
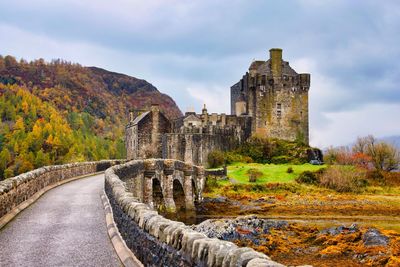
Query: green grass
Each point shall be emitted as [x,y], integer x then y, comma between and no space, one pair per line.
[272,173]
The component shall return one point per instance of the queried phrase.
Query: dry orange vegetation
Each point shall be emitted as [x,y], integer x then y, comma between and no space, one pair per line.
[310,209]
[298,244]
[308,205]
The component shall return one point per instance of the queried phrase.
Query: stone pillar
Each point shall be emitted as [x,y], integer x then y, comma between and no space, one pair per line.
[168,192]
[148,187]
[188,157]
[201,180]
[188,188]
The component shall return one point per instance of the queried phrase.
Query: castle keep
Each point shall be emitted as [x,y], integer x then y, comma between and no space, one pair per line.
[270,100]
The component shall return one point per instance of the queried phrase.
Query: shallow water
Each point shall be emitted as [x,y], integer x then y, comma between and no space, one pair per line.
[383,222]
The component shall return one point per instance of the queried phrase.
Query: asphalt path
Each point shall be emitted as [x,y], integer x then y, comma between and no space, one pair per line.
[65,227]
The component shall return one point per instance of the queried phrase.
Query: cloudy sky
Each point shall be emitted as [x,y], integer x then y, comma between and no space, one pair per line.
[195,50]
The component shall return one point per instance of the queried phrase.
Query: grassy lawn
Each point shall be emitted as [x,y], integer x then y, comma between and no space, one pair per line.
[272,173]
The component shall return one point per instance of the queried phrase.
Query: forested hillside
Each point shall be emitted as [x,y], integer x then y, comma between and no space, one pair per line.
[58,112]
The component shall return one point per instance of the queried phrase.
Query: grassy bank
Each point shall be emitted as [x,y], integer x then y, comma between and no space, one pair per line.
[271,173]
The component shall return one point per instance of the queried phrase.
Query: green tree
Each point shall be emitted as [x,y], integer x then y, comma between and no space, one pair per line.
[5,159]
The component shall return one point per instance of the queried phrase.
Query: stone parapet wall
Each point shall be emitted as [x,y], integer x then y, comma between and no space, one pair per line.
[138,176]
[157,241]
[220,172]
[16,190]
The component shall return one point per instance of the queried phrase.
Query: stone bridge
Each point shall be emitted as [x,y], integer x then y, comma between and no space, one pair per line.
[163,184]
[68,225]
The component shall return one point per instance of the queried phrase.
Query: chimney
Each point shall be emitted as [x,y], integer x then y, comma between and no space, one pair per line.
[155,107]
[131,115]
[275,55]
[155,112]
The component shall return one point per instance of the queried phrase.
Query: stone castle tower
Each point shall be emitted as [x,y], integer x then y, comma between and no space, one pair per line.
[275,97]
[270,100]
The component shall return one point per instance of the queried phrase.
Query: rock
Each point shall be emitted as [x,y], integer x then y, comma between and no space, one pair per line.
[374,238]
[249,227]
[340,230]
[263,263]
[219,200]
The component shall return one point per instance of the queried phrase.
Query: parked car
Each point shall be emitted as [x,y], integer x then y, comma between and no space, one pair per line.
[316,162]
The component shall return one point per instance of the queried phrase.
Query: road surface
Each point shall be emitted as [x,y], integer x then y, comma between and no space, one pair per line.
[65,227]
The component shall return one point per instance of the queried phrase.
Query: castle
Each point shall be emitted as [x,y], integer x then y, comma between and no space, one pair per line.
[270,100]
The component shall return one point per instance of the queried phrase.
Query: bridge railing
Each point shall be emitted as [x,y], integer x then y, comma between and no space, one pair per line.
[139,175]
[157,241]
[16,190]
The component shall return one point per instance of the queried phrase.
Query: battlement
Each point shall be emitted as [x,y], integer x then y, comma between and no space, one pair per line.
[275,96]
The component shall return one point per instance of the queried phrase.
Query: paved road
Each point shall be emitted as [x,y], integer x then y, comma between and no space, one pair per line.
[65,227]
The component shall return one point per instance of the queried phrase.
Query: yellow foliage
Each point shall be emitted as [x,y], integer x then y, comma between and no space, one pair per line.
[393,262]
[331,251]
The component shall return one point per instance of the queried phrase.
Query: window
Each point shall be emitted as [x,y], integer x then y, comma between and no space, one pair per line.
[278,110]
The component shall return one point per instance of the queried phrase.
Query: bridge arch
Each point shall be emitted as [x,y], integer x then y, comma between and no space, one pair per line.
[178,195]
[164,184]
[157,194]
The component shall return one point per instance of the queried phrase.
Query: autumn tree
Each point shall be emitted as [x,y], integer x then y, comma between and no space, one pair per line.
[383,156]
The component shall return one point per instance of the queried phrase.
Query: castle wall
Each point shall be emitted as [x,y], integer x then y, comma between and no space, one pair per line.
[146,133]
[195,147]
[276,99]
[131,141]
[235,97]
[283,112]
[270,100]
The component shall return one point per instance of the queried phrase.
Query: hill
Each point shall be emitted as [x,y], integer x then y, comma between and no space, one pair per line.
[59,112]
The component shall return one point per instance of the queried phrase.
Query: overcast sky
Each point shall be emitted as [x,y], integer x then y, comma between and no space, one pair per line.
[195,50]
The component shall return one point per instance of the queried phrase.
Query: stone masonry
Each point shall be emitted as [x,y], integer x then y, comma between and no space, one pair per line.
[271,100]
[157,241]
[275,97]
[15,190]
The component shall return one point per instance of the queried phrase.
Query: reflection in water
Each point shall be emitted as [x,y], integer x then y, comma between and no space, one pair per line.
[187,217]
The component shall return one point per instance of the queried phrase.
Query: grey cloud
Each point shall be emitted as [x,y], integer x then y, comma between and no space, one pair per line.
[179,44]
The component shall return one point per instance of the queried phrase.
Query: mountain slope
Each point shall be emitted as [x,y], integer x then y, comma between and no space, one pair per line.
[97,91]
[90,105]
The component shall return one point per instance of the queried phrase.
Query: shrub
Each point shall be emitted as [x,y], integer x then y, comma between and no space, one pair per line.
[211,183]
[264,150]
[375,175]
[254,174]
[392,178]
[280,159]
[307,177]
[215,159]
[247,159]
[289,170]
[343,179]
[231,157]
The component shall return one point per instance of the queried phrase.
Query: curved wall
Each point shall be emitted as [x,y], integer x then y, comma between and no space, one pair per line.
[157,241]
[16,190]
